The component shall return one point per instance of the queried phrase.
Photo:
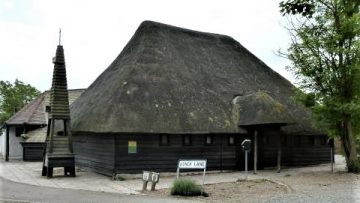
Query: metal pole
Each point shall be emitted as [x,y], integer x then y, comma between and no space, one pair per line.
[203,183]
[177,172]
[60,37]
[204,176]
[246,164]
[279,154]
[255,150]
[221,154]
[279,160]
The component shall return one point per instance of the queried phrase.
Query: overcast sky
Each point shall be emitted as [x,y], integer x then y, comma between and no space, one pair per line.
[95,32]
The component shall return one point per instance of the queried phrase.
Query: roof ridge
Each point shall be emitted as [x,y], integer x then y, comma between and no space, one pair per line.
[147,23]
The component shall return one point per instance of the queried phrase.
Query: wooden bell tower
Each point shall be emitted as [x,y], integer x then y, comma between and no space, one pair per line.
[59,149]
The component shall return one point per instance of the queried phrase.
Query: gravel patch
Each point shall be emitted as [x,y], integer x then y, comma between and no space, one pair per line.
[320,186]
[302,185]
[239,191]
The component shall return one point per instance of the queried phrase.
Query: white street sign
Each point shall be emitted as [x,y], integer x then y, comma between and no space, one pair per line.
[192,164]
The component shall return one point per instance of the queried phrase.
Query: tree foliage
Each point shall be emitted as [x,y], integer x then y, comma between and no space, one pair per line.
[13,97]
[325,56]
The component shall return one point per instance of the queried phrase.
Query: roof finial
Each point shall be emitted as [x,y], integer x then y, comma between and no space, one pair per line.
[60,37]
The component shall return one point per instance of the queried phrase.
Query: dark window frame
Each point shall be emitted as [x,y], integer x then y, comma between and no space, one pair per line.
[19,131]
[265,139]
[228,140]
[161,140]
[211,139]
[183,140]
[298,140]
[284,140]
[311,140]
[323,140]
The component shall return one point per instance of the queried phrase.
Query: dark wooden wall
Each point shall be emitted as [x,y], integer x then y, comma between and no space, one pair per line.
[153,156]
[33,151]
[95,151]
[296,150]
[108,153]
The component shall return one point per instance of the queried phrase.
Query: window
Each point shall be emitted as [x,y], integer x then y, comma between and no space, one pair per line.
[265,139]
[231,140]
[209,140]
[323,140]
[19,131]
[297,140]
[164,140]
[311,140]
[283,140]
[186,140]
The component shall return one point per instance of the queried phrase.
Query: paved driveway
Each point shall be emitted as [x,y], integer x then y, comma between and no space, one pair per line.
[30,173]
[17,192]
[307,184]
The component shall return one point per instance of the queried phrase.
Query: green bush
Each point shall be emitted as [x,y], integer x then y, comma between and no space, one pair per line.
[185,187]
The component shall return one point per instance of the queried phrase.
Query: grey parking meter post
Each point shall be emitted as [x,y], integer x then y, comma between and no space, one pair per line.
[246,146]
[154,179]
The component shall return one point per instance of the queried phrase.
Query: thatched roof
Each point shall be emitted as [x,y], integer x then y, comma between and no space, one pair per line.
[261,109]
[173,80]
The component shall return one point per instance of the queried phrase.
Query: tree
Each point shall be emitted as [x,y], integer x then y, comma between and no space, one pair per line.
[13,97]
[325,57]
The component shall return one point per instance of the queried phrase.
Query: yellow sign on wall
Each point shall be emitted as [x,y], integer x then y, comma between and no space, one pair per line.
[132,147]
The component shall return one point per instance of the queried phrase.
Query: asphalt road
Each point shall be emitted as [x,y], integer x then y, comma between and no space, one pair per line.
[17,192]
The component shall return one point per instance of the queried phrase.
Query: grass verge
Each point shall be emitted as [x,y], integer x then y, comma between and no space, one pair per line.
[185,187]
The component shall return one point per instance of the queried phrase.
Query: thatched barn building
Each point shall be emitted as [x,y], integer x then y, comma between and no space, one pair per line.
[175,93]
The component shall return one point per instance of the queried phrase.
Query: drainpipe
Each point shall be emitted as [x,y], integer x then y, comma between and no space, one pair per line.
[279,152]
[221,153]
[7,143]
[255,150]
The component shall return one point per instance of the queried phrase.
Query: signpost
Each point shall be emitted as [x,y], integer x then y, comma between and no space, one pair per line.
[246,146]
[192,164]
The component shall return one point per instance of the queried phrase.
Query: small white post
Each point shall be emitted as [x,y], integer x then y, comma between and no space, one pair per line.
[177,172]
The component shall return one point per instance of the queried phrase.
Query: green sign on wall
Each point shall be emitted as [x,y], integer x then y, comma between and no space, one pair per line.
[132,147]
